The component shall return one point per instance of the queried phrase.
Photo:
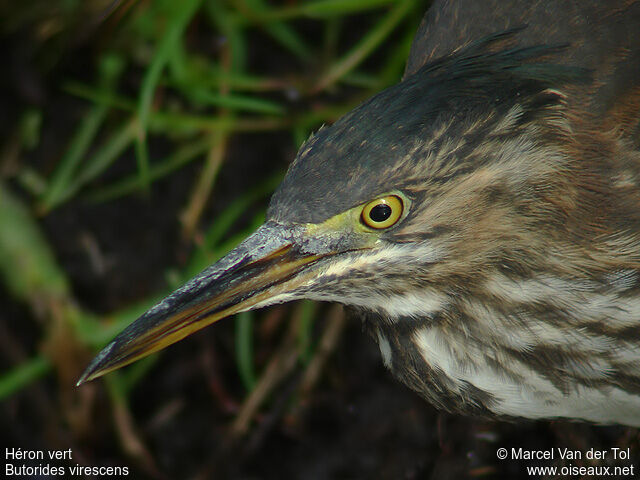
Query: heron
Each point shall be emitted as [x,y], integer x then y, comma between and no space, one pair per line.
[482,216]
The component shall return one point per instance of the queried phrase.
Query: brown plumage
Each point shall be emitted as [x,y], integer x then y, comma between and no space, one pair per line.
[548,241]
[508,283]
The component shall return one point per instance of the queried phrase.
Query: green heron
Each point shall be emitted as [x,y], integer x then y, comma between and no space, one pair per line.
[483,215]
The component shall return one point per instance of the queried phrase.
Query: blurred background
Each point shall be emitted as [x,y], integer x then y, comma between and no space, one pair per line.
[140,141]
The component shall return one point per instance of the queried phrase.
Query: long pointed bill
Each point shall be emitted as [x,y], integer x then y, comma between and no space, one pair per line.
[265,265]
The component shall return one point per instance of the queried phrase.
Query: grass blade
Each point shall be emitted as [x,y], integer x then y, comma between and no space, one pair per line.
[27,265]
[175,30]
[244,349]
[59,184]
[318,10]
[281,32]
[179,158]
[305,330]
[365,46]
[110,69]
[22,375]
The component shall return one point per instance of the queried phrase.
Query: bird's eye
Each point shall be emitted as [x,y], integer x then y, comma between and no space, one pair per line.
[382,212]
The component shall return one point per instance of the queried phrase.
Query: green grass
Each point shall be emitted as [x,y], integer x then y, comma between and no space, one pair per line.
[191,98]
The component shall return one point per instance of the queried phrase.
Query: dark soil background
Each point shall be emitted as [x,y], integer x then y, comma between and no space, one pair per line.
[180,418]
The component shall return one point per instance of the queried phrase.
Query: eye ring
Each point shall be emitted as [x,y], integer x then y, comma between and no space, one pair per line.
[382,212]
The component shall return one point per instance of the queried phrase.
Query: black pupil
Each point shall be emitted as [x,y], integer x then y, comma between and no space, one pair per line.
[380,213]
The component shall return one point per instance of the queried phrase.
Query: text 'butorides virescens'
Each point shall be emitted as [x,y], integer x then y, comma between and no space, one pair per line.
[483,215]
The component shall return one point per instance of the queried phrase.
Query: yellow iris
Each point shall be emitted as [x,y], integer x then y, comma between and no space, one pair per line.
[382,212]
